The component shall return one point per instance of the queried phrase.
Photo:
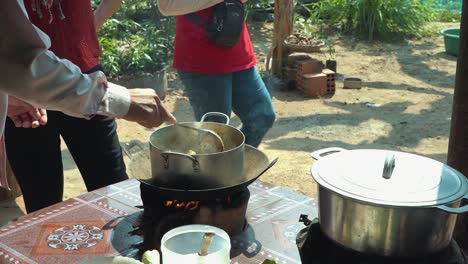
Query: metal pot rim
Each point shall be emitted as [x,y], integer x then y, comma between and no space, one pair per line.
[158,130]
[377,203]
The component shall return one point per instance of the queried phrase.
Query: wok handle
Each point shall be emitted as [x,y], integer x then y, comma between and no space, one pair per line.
[228,120]
[318,154]
[451,210]
[165,155]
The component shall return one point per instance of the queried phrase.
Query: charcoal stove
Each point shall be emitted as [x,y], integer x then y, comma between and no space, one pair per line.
[161,214]
[177,201]
[315,247]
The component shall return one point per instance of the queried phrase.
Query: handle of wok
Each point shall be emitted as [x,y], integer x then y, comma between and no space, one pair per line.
[218,114]
[166,156]
[318,154]
[452,210]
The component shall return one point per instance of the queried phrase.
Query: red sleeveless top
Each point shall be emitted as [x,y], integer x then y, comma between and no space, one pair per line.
[74,37]
[195,53]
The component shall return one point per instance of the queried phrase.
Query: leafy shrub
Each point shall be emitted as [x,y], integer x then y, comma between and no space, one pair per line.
[133,49]
[454,6]
[304,24]
[375,19]
[110,59]
[445,10]
[259,4]
[447,16]
[136,44]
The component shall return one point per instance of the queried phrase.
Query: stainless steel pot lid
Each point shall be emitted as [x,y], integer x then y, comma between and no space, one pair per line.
[406,180]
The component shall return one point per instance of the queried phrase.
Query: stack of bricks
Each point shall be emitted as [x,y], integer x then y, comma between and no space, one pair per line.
[289,72]
[309,79]
[307,75]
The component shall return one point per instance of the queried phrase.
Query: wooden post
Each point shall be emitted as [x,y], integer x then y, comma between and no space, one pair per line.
[458,143]
[283,27]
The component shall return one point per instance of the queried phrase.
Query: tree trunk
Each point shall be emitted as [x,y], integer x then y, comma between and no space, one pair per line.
[283,27]
[458,144]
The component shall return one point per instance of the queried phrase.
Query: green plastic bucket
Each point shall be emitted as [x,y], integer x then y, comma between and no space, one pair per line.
[451,39]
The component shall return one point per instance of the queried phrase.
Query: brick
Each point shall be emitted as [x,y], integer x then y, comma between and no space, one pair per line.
[289,73]
[308,66]
[331,79]
[311,77]
[331,88]
[293,58]
[305,77]
[314,85]
[331,75]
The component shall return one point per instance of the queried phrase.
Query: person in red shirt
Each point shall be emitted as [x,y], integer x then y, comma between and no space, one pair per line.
[35,154]
[219,79]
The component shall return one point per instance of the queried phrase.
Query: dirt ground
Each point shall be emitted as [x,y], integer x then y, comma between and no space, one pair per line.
[412,81]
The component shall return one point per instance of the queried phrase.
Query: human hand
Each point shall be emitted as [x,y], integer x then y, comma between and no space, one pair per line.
[25,115]
[146,109]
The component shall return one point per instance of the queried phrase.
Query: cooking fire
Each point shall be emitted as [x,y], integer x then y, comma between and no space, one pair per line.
[191,205]
[161,214]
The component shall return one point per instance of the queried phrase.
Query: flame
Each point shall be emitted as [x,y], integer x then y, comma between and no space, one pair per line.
[190,205]
[193,205]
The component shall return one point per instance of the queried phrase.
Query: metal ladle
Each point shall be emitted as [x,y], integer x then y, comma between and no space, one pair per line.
[207,140]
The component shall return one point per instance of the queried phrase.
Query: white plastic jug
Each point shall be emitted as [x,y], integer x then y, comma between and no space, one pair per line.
[182,244]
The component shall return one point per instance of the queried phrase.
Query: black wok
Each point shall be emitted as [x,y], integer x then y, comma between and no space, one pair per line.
[256,163]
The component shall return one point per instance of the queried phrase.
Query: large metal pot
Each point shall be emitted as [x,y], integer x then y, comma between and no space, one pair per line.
[387,203]
[198,171]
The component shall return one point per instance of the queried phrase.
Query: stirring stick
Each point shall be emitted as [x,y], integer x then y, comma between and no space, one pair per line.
[206,243]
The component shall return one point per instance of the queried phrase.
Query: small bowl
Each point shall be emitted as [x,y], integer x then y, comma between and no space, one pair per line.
[181,245]
[352,83]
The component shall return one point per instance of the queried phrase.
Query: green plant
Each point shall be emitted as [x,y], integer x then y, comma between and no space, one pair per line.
[446,10]
[110,59]
[454,6]
[304,25]
[447,16]
[119,29]
[331,52]
[147,52]
[137,48]
[375,19]
[258,9]
[259,4]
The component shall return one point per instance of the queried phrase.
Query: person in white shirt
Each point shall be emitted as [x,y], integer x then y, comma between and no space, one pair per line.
[30,72]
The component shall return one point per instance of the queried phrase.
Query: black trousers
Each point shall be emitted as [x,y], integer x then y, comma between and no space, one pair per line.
[35,156]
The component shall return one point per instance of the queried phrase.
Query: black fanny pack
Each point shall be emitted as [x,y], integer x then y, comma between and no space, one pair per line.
[225,26]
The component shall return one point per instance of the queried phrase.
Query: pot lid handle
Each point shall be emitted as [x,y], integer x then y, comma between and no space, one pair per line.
[389,166]
[228,120]
[452,210]
[318,154]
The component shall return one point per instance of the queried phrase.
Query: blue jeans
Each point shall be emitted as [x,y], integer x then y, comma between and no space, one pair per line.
[242,92]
